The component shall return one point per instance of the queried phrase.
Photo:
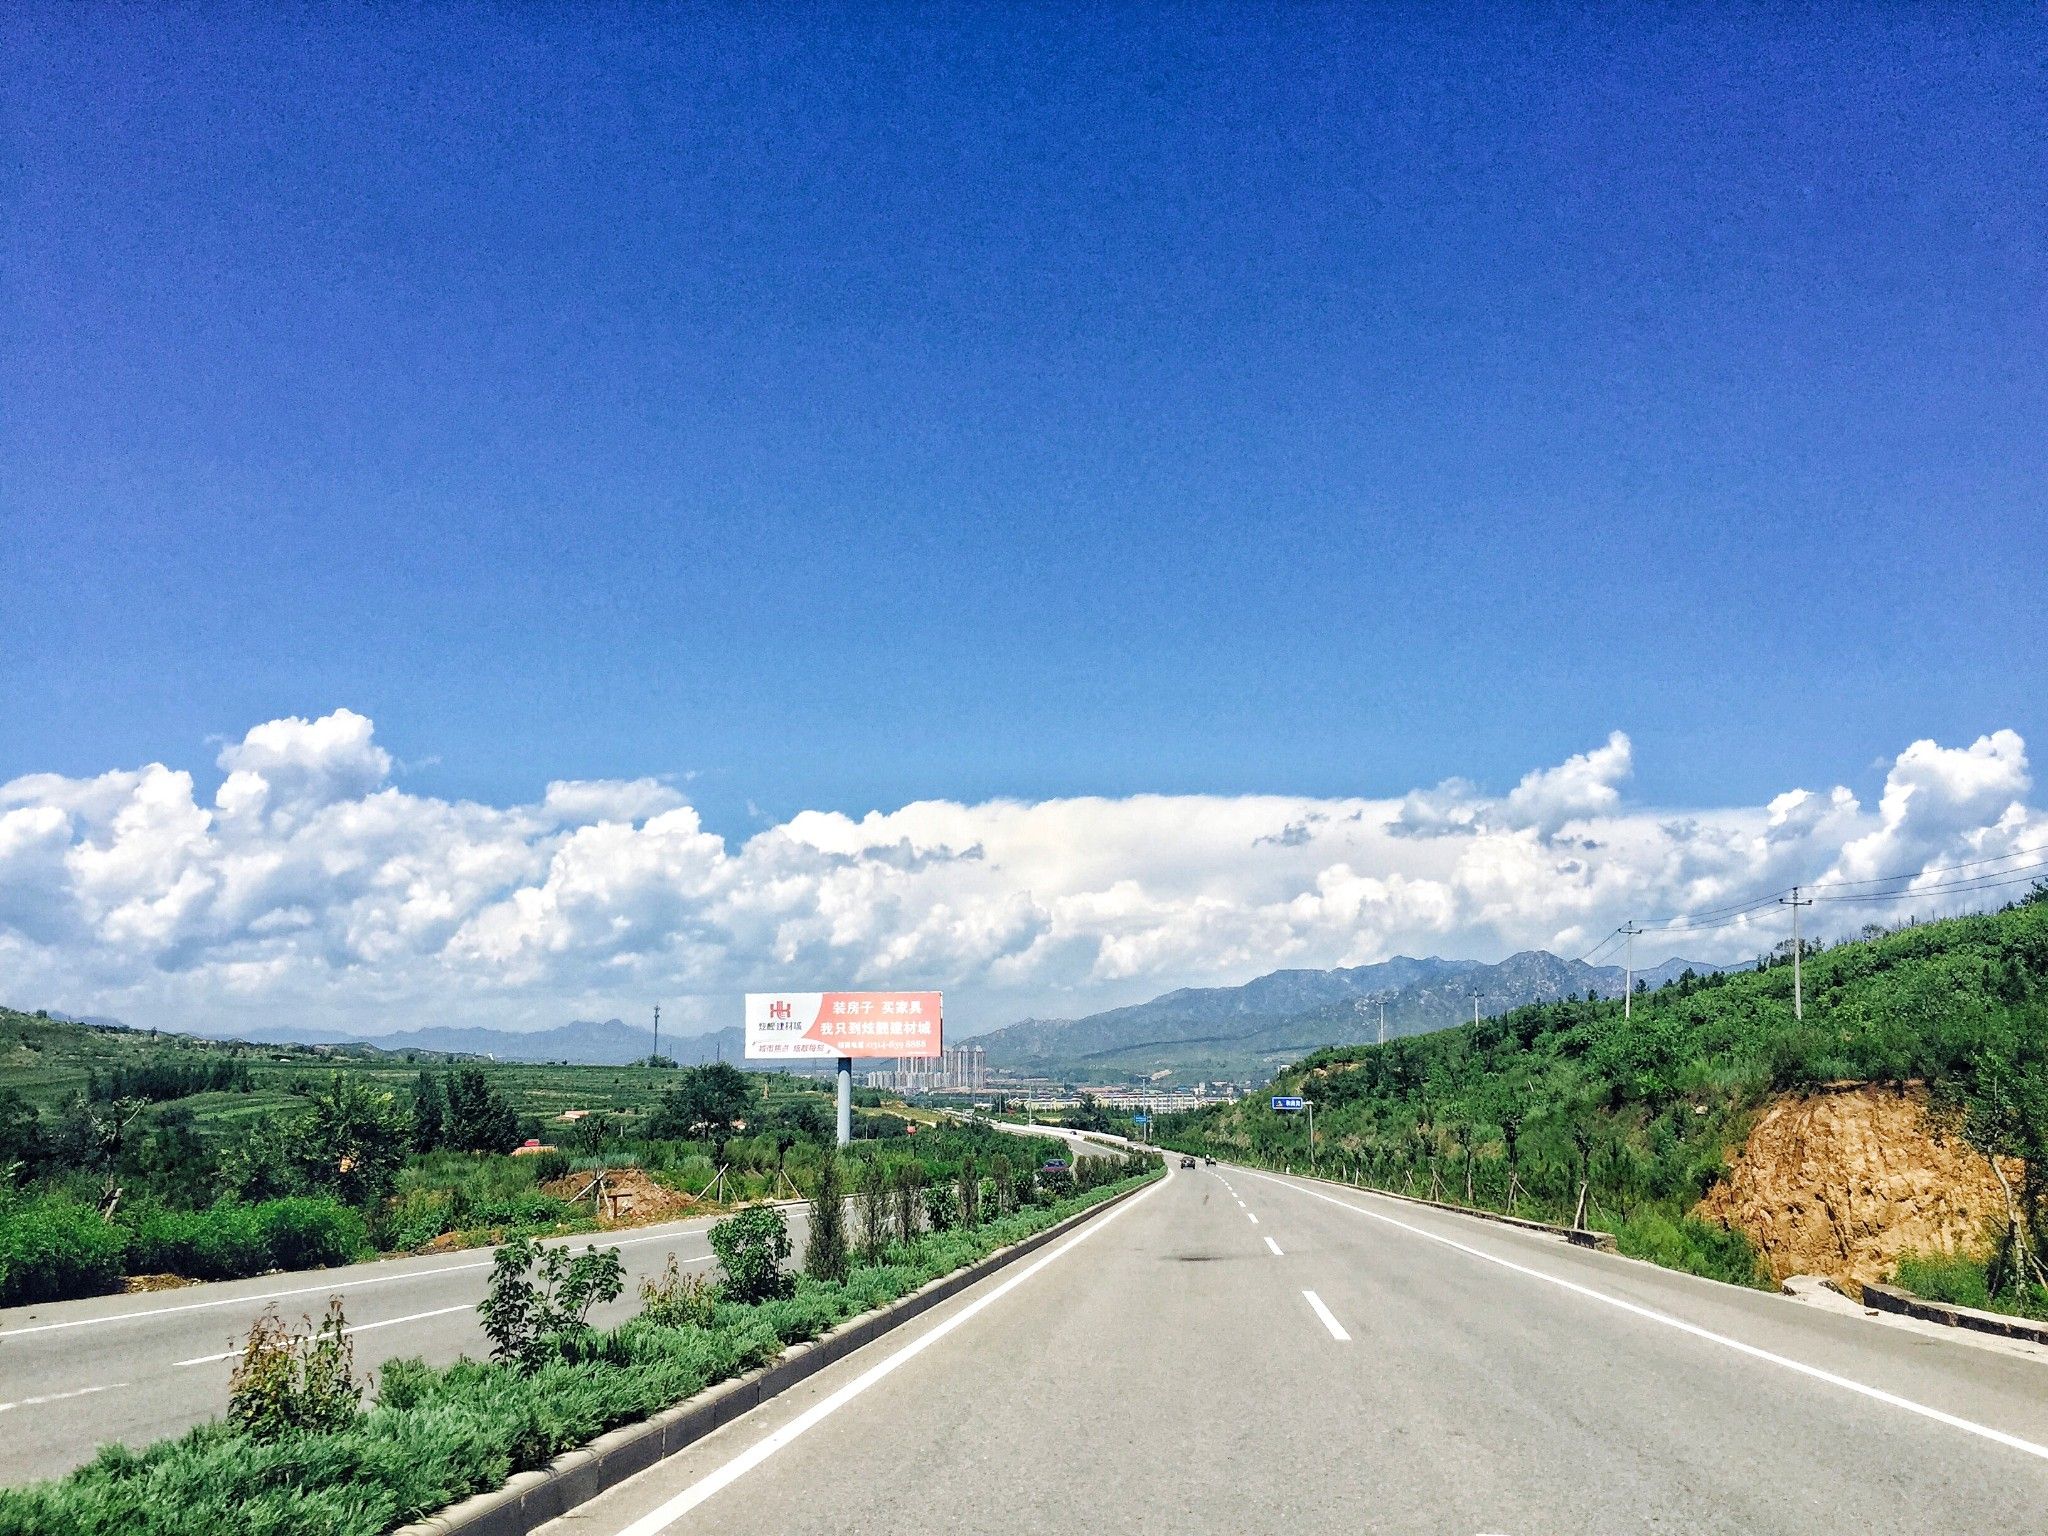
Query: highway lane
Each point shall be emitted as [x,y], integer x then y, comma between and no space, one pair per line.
[1235,1351]
[79,1374]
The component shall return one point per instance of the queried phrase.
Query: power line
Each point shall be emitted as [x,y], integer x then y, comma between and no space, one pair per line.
[1939,869]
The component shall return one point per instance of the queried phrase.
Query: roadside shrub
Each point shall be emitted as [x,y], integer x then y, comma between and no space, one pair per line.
[1695,1246]
[825,1255]
[549,1166]
[752,1247]
[524,1314]
[51,1250]
[873,1204]
[941,1208]
[1964,1282]
[290,1380]
[222,1242]
[311,1232]
[676,1299]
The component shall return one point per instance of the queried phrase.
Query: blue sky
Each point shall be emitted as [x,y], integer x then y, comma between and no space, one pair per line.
[836,409]
[856,411]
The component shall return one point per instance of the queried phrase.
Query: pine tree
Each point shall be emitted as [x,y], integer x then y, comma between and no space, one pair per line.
[825,1256]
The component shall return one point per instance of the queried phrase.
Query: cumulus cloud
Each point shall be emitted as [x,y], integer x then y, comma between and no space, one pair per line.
[309,887]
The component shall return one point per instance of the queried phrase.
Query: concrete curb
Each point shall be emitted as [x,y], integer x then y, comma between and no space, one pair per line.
[1583,1237]
[530,1499]
[1887,1298]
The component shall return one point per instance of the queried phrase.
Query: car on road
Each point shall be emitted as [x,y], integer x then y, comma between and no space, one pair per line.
[1187,1162]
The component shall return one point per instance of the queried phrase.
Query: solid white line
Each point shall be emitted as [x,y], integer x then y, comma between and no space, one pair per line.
[1650,1314]
[58,1397]
[1329,1321]
[661,1518]
[389,1322]
[1276,1249]
[310,1290]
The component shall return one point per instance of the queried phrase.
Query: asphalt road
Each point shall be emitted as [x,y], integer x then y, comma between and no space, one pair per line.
[1231,1351]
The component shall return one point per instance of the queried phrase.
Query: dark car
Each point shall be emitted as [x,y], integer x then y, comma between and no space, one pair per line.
[1187,1162]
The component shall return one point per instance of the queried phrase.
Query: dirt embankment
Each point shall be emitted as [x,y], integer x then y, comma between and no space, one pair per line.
[625,1197]
[1843,1181]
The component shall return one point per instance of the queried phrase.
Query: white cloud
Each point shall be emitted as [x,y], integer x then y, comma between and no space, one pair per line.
[312,889]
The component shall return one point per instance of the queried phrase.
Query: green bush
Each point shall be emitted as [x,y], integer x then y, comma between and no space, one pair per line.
[1964,1282]
[289,1380]
[229,1239]
[752,1247]
[311,1232]
[50,1250]
[222,1242]
[1695,1246]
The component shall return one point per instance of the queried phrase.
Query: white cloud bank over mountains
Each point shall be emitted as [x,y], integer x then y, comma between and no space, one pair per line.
[312,890]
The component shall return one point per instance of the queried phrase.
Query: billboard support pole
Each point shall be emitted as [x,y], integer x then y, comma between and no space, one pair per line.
[845,1101]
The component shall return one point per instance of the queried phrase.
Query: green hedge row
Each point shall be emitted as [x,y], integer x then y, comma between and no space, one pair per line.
[51,1249]
[436,1436]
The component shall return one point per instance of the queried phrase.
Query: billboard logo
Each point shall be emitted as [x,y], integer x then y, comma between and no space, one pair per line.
[778,1009]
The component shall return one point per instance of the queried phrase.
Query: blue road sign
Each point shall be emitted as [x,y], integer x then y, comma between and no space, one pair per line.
[1141,1119]
[1288,1103]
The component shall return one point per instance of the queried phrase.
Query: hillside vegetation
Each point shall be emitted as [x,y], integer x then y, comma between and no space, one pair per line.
[1542,1106]
[126,1153]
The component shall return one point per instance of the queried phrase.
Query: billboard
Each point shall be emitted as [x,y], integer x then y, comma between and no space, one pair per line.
[786,1026]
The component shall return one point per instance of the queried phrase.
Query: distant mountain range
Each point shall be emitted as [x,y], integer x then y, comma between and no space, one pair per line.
[1198,1033]
[610,1042]
[1189,1035]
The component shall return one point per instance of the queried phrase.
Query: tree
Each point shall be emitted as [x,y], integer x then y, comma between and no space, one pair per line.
[429,1114]
[350,1140]
[825,1256]
[709,1103]
[479,1119]
[873,1201]
[909,1191]
[22,1143]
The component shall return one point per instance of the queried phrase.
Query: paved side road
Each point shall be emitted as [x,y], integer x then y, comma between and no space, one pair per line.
[1234,1351]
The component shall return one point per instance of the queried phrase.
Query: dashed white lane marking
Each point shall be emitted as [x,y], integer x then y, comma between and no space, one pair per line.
[1665,1319]
[389,1322]
[1276,1249]
[58,1397]
[1329,1320]
[304,1290]
[1252,1217]
[661,1518]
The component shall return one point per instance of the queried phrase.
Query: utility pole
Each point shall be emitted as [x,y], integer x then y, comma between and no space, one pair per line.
[1628,975]
[655,1055]
[1383,1021]
[1798,996]
[1475,1010]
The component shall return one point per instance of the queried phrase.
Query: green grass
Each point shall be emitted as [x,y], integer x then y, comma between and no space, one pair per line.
[1961,1281]
[436,1436]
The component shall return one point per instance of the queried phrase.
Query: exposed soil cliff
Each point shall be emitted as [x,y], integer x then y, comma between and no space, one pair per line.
[1843,1181]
